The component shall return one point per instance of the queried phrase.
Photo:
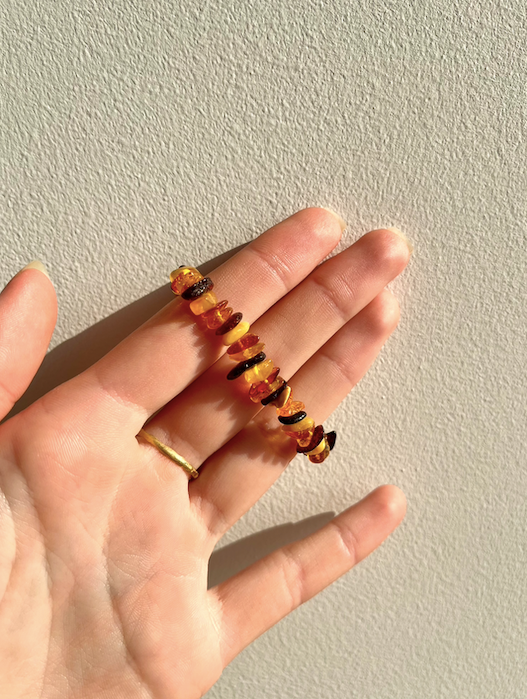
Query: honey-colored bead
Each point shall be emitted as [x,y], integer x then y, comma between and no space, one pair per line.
[282,399]
[304,424]
[236,333]
[304,438]
[217,315]
[244,342]
[262,389]
[291,407]
[248,353]
[184,277]
[274,382]
[204,303]
[259,372]
[319,458]
[320,447]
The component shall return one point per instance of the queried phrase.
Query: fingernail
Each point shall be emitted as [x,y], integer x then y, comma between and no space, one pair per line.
[341,221]
[402,235]
[36,264]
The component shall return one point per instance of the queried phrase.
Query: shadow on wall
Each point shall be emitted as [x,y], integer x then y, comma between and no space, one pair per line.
[229,560]
[78,353]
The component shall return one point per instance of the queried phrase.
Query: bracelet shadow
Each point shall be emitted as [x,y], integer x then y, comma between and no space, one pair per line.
[233,558]
[73,356]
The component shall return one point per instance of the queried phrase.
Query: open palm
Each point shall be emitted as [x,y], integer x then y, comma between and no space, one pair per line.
[104,542]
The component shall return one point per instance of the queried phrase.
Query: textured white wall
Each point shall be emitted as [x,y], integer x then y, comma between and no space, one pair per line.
[140,135]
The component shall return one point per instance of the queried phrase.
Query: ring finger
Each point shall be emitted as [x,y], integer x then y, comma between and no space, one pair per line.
[250,463]
[207,414]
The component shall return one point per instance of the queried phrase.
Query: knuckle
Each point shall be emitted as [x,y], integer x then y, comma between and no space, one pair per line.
[273,266]
[294,578]
[387,250]
[384,314]
[338,293]
[348,540]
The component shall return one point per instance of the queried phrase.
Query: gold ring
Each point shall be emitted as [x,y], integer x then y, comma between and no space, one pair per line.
[168,451]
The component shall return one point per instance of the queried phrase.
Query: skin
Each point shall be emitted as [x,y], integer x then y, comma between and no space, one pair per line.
[104,542]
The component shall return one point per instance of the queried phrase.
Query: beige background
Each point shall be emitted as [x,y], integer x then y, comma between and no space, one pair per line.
[138,136]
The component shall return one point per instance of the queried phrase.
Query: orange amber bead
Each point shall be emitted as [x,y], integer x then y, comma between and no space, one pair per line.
[306,423]
[248,340]
[183,278]
[247,353]
[282,398]
[262,389]
[291,407]
[217,315]
[273,385]
[303,436]
[319,458]
[203,303]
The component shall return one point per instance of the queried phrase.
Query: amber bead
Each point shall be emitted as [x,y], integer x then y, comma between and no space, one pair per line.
[244,342]
[304,424]
[275,384]
[281,385]
[247,353]
[263,388]
[292,419]
[319,448]
[331,437]
[183,278]
[217,315]
[291,407]
[203,303]
[283,398]
[319,458]
[237,332]
[304,436]
[240,368]
[229,324]
[198,289]
[317,437]
[259,372]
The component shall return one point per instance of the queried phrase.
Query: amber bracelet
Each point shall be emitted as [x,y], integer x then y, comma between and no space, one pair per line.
[245,348]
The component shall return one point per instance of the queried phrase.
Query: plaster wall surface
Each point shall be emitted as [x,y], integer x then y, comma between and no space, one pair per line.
[136,137]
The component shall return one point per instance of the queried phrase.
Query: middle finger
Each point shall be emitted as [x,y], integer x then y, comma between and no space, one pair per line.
[212,410]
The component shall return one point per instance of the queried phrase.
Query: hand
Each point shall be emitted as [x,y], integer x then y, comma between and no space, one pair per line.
[104,542]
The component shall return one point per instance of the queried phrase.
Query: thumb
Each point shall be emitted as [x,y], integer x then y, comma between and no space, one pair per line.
[28,314]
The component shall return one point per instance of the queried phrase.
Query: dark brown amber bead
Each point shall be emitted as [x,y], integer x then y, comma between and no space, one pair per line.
[331,437]
[197,289]
[274,396]
[229,324]
[292,419]
[318,436]
[243,366]
[248,340]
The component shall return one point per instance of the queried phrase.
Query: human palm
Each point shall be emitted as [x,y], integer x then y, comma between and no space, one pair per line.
[104,542]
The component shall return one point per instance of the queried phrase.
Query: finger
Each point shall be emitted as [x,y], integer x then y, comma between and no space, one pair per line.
[28,314]
[208,414]
[166,354]
[264,593]
[260,452]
